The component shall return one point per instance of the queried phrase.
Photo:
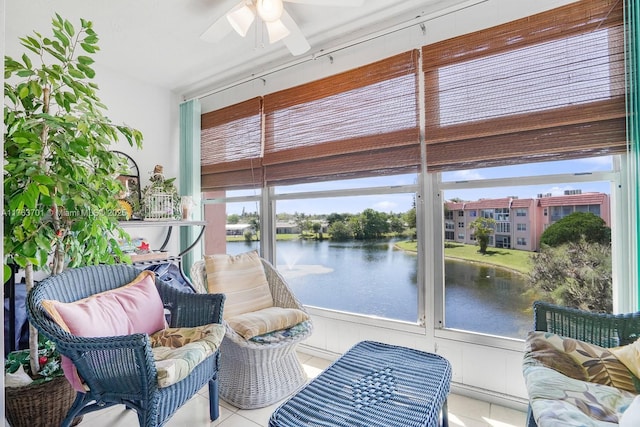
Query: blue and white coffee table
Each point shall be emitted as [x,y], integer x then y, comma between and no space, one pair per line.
[373,385]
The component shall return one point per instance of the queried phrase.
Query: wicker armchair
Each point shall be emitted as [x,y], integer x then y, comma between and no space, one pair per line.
[121,369]
[604,330]
[255,375]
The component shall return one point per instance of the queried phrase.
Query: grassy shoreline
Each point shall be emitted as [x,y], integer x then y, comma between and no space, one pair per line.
[511,259]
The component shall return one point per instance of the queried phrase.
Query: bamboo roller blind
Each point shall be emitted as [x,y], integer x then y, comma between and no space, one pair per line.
[547,87]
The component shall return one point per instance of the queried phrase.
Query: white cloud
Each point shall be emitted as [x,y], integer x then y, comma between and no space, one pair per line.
[467,175]
[385,206]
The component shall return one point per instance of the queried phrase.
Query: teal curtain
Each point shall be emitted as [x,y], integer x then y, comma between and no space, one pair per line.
[632,25]
[190,176]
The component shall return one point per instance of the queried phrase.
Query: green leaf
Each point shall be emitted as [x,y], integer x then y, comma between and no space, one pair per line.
[29,248]
[25,73]
[91,39]
[88,48]
[35,88]
[87,70]
[27,61]
[23,92]
[55,54]
[75,73]
[7,273]
[86,60]
[69,28]
[63,38]
[44,189]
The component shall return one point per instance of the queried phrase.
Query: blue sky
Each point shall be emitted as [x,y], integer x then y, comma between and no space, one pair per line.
[403,202]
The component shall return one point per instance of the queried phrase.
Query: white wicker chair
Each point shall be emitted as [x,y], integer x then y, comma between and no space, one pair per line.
[254,375]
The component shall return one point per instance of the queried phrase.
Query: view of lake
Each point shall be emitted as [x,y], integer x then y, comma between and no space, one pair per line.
[373,278]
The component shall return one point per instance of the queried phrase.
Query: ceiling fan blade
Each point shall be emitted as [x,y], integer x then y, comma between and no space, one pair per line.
[347,3]
[296,42]
[217,31]
[241,17]
[276,30]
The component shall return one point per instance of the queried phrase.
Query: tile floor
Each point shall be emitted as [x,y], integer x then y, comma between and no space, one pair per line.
[463,411]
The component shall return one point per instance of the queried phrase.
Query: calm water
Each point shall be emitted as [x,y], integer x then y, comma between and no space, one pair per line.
[374,278]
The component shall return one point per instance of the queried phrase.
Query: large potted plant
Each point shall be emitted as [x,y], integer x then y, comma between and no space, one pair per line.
[60,186]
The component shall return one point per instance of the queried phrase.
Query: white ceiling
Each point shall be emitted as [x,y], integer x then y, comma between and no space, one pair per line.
[158,41]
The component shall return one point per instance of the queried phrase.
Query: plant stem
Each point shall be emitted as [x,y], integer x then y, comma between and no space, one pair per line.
[33,332]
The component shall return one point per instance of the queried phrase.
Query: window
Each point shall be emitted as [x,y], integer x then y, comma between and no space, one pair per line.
[502,214]
[461,225]
[487,213]
[342,243]
[498,293]
[493,123]
[503,227]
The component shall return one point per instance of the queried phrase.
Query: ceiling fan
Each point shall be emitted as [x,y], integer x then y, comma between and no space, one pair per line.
[279,24]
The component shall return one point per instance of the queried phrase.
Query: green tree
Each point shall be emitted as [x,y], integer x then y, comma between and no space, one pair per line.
[483,228]
[233,219]
[59,186]
[336,217]
[396,224]
[575,274]
[410,217]
[340,231]
[573,227]
[317,228]
[374,224]
[356,226]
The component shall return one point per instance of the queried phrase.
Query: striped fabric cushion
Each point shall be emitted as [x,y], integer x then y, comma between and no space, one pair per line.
[266,320]
[242,279]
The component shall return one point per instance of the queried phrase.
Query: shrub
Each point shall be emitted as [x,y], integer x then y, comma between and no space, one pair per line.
[575,274]
[573,227]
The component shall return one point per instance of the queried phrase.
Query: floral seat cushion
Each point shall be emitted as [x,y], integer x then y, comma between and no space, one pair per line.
[282,334]
[573,383]
[178,350]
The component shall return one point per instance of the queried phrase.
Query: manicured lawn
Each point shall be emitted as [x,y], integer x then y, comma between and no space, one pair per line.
[508,258]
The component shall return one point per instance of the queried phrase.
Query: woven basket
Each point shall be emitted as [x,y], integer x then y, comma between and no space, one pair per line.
[40,405]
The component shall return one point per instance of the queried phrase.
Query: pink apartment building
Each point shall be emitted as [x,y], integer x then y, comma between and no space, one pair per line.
[520,222]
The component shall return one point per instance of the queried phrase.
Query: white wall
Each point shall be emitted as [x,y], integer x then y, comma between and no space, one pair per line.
[153,111]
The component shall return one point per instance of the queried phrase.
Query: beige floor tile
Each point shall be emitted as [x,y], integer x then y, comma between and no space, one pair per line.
[238,421]
[503,417]
[462,421]
[467,407]
[463,411]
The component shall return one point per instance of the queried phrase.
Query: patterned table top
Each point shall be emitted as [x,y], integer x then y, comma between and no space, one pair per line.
[372,385]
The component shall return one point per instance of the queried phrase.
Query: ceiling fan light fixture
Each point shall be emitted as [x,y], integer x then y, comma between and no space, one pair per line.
[241,17]
[276,30]
[270,10]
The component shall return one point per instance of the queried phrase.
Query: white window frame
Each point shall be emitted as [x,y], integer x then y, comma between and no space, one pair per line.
[619,240]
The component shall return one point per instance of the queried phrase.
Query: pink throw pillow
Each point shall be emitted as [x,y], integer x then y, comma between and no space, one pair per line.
[133,308]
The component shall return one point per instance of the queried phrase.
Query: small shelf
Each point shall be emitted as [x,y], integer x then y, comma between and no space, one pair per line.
[161,223]
[161,256]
